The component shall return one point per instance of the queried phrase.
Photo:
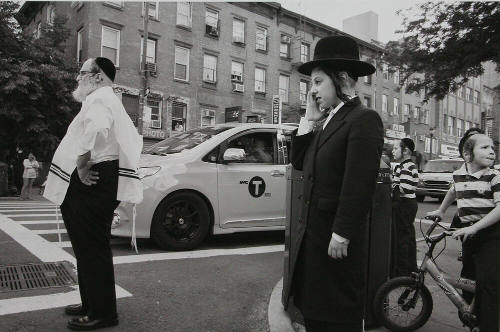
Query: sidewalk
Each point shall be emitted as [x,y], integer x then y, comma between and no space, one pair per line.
[35,195]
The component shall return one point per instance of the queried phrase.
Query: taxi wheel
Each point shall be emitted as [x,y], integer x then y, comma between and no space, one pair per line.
[180,222]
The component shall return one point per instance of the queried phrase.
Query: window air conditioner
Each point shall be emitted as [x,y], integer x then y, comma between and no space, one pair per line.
[151,68]
[238,87]
[208,113]
[156,124]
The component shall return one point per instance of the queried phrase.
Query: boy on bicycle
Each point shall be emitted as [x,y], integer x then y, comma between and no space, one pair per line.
[476,187]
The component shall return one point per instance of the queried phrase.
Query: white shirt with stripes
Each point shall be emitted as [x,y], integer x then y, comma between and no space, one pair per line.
[406,177]
[477,193]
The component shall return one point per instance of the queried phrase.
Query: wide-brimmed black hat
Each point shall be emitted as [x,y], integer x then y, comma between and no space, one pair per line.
[338,53]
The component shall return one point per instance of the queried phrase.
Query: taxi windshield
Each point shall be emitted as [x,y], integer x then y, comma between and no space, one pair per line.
[442,166]
[184,141]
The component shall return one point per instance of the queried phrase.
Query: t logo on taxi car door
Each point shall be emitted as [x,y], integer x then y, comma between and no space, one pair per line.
[256,186]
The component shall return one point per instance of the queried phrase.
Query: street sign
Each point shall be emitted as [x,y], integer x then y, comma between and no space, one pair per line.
[276,109]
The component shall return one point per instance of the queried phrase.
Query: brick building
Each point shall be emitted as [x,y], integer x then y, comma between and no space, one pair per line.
[210,62]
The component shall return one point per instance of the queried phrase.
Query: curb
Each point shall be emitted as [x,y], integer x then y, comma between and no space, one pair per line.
[277,317]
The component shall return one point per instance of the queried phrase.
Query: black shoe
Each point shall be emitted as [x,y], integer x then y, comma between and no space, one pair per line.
[86,323]
[75,310]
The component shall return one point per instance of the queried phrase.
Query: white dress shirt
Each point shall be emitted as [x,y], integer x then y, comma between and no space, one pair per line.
[99,137]
[306,126]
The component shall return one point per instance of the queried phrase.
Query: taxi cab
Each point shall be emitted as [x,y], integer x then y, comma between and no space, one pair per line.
[212,180]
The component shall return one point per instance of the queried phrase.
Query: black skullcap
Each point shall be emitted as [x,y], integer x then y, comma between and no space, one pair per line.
[107,67]
[467,135]
[408,142]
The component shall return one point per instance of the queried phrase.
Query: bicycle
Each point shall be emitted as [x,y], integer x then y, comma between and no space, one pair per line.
[408,296]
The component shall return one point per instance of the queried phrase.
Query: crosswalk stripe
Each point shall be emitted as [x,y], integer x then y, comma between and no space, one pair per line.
[31,215]
[49,231]
[37,222]
[28,209]
[63,244]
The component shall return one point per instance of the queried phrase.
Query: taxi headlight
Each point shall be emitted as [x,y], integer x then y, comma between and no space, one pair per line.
[144,172]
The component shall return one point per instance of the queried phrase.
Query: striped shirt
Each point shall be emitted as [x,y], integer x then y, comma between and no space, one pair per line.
[477,194]
[406,177]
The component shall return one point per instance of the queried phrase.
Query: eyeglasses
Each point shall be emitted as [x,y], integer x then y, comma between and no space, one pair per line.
[84,72]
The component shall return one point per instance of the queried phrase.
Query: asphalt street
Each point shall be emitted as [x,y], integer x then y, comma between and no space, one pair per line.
[225,285]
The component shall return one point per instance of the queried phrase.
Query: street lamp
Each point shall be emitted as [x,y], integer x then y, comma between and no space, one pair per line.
[431,133]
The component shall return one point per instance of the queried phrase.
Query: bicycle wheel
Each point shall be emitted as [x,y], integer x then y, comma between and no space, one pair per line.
[400,307]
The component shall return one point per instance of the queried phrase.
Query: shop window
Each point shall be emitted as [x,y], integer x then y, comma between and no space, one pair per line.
[178,117]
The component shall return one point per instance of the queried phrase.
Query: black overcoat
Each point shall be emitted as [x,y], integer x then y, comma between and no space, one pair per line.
[340,165]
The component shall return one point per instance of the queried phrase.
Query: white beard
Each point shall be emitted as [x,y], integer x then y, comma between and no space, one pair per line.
[82,91]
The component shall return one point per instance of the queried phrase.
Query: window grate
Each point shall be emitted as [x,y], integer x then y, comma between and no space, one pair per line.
[36,276]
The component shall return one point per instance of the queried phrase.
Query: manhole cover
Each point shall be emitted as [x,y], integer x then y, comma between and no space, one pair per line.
[34,276]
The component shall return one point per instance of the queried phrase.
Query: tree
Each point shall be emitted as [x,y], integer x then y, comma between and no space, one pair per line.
[36,81]
[446,43]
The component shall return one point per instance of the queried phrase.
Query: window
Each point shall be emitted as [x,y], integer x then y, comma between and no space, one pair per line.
[178,116]
[152,8]
[368,79]
[209,68]
[151,51]
[476,96]
[304,52]
[416,113]
[467,126]
[261,39]
[395,77]
[406,110]
[367,101]
[51,14]
[79,45]
[385,71]
[384,103]
[285,46]
[303,89]
[258,147]
[155,105]
[284,83]
[460,92]
[395,106]
[459,127]
[184,14]
[110,44]
[236,72]
[207,117]
[238,31]
[426,116]
[181,70]
[468,94]
[450,125]
[260,80]
[212,22]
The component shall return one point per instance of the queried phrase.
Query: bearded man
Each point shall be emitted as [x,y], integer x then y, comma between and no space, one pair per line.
[94,168]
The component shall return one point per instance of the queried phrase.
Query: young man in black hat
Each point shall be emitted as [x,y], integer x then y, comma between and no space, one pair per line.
[405,184]
[88,179]
[338,147]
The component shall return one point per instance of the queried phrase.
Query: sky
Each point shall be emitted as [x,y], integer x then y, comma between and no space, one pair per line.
[333,12]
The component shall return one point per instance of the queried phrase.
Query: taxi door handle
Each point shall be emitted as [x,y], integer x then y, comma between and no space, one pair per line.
[277,173]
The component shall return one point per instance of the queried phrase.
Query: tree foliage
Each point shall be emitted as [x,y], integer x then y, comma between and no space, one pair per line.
[446,43]
[36,81]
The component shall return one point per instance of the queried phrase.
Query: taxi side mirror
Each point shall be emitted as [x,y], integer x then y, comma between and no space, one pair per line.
[233,154]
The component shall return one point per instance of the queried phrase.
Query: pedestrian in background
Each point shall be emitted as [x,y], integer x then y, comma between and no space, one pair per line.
[29,175]
[405,183]
[338,145]
[476,188]
[95,167]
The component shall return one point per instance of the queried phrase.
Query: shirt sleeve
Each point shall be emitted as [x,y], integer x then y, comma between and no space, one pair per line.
[97,121]
[339,238]
[26,163]
[495,187]
[305,126]
[408,179]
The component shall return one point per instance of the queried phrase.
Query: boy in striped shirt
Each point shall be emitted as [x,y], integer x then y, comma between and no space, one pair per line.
[477,191]
[405,182]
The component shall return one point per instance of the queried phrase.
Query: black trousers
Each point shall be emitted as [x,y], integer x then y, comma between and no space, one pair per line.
[88,212]
[487,263]
[406,245]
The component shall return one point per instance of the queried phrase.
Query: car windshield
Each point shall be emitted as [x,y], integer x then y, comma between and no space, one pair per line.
[184,141]
[442,166]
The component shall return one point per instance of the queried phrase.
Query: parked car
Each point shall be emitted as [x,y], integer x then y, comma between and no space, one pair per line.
[212,180]
[436,178]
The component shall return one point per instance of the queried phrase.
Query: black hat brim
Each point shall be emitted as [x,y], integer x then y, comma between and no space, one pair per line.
[356,67]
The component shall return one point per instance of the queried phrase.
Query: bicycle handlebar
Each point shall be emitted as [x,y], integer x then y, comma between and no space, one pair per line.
[436,219]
